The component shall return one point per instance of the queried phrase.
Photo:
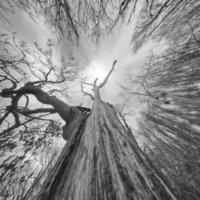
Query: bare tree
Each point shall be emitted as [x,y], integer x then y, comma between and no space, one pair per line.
[102,160]
[172,131]
[167,19]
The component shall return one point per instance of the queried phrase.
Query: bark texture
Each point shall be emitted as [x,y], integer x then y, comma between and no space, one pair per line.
[102,160]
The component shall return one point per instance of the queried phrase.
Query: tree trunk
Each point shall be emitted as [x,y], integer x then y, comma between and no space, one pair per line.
[102,160]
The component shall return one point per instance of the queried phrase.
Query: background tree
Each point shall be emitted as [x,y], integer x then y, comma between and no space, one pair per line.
[24,168]
[27,129]
[172,130]
[70,19]
[170,20]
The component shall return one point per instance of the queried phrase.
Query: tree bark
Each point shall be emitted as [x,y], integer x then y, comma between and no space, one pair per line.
[102,160]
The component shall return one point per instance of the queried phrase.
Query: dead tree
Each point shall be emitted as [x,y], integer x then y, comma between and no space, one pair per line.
[102,159]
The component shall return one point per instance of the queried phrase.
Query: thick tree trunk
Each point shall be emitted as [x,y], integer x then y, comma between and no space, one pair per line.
[103,161]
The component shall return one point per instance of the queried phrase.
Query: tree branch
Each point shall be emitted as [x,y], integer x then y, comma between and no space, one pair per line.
[62,108]
[85,83]
[86,93]
[14,84]
[35,111]
[108,75]
[14,127]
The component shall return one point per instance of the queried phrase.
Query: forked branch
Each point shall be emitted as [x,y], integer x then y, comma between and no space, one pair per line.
[86,93]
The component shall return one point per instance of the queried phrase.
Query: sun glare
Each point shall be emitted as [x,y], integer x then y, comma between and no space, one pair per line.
[96,70]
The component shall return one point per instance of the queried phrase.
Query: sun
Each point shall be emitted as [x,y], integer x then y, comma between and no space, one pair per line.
[96,70]
[99,72]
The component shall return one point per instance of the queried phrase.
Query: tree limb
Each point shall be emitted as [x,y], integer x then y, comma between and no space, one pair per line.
[62,108]
[86,93]
[35,111]
[108,75]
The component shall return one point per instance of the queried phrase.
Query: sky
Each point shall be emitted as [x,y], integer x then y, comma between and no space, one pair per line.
[91,60]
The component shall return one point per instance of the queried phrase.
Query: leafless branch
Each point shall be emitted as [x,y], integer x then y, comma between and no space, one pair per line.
[108,75]
[85,83]
[27,112]
[86,93]
[14,127]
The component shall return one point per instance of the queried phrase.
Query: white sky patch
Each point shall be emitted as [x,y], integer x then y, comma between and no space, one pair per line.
[27,29]
[96,69]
